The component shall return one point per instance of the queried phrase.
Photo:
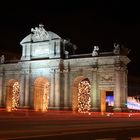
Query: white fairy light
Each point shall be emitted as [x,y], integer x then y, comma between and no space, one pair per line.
[45,99]
[84,99]
[15,96]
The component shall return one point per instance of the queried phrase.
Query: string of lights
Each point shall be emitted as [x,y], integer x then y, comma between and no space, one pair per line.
[45,99]
[15,96]
[84,98]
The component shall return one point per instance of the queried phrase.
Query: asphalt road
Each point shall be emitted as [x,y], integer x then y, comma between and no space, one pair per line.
[24,124]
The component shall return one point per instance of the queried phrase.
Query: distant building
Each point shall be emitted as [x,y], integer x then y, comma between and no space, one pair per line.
[50,75]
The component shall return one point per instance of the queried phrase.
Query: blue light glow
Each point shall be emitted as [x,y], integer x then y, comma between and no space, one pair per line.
[132,103]
[110,100]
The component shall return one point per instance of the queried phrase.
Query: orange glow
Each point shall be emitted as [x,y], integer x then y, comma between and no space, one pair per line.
[103,101]
[9,109]
[41,94]
[81,95]
[84,98]
[12,95]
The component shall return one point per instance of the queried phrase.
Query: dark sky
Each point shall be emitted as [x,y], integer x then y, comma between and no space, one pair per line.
[86,23]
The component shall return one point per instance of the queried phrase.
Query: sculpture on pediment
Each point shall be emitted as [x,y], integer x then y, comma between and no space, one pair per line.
[66,54]
[40,33]
[2,59]
[69,47]
[120,49]
[116,48]
[124,50]
[95,51]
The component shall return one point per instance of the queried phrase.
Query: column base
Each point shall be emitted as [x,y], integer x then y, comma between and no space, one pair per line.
[95,109]
[117,109]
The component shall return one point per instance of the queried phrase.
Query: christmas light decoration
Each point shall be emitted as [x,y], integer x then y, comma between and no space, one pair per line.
[84,98]
[45,98]
[15,96]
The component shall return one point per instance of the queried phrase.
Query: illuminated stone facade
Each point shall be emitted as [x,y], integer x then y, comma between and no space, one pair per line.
[49,76]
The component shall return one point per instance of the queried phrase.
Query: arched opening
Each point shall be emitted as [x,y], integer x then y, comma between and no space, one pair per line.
[41,94]
[12,95]
[81,101]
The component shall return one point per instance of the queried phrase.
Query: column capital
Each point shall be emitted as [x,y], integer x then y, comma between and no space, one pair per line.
[119,68]
[94,69]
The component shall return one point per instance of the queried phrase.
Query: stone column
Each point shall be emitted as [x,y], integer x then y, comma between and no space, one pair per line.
[124,89]
[52,90]
[117,94]
[23,52]
[1,84]
[66,97]
[22,90]
[94,94]
[57,88]
[27,83]
[28,51]
[62,84]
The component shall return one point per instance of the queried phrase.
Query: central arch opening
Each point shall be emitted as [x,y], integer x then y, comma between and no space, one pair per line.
[81,95]
[41,94]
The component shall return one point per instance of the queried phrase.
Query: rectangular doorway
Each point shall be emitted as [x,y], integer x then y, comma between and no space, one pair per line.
[107,101]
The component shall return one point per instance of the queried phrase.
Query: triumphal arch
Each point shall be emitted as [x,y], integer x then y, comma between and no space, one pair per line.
[51,76]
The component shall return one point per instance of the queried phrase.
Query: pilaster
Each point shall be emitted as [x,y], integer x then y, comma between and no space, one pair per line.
[1,84]
[117,95]
[27,83]
[94,95]
[22,98]
[66,92]
[52,89]
[57,88]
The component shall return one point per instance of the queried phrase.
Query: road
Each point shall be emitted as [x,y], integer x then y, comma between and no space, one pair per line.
[25,124]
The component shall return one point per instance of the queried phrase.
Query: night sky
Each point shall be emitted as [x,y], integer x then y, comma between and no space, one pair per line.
[85,23]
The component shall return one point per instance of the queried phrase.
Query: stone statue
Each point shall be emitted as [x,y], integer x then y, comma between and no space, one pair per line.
[120,49]
[2,59]
[116,48]
[124,50]
[95,51]
[66,54]
[40,33]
